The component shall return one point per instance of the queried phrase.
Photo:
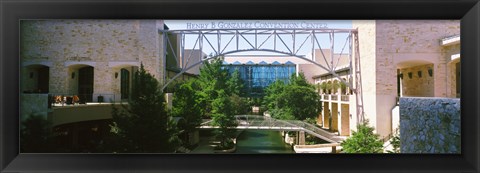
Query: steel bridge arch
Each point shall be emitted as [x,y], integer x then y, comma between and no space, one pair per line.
[275,32]
[248,50]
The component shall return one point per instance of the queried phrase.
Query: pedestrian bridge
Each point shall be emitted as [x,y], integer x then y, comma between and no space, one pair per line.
[259,122]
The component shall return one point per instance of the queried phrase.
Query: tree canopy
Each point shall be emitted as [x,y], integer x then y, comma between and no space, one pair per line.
[212,78]
[36,135]
[187,104]
[218,94]
[144,125]
[236,84]
[295,100]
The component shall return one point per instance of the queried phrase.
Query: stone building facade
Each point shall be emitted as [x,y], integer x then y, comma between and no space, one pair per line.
[398,58]
[88,57]
[404,58]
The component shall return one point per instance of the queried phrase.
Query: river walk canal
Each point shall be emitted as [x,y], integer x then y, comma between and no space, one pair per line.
[261,141]
[251,142]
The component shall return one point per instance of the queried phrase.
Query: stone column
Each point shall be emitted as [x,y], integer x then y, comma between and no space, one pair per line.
[296,137]
[301,138]
[326,115]
[339,92]
[440,79]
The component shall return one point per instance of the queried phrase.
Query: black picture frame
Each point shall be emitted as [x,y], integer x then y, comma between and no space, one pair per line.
[13,11]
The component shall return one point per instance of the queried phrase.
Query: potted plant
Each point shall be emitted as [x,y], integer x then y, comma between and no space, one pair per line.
[343,86]
[328,87]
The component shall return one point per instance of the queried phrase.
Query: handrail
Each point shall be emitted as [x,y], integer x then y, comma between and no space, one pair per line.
[263,122]
[345,98]
[334,97]
[63,99]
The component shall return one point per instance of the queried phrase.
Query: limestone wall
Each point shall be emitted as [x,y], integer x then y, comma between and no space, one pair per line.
[418,86]
[430,125]
[412,43]
[192,57]
[388,45]
[106,45]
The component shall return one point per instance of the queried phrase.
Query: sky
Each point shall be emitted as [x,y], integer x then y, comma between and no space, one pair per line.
[324,39]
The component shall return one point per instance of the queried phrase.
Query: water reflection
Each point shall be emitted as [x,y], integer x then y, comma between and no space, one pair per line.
[261,141]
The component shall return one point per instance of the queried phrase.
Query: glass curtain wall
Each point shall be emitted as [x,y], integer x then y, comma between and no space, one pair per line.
[258,76]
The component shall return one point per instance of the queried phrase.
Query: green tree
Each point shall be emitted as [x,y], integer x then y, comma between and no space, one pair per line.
[395,142]
[36,135]
[215,91]
[282,113]
[303,102]
[240,105]
[363,141]
[272,95]
[300,80]
[295,100]
[237,90]
[144,126]
[212,78]
[236,84]
[186,104]
[222,116]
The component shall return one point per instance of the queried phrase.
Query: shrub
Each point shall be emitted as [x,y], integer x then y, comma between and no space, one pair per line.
[363,141]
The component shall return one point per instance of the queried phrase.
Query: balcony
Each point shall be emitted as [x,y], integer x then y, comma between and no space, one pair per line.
[345,98]
[61,99]
[66,108]
[83,112]
[334,97]
[326,97]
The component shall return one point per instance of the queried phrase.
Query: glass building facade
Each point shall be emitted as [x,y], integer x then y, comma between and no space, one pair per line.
[258,76]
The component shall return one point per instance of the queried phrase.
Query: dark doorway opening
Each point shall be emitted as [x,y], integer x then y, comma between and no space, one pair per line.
[124,83]
[85,84]
[43,79]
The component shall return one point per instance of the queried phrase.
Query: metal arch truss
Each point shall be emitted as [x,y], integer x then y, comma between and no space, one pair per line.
[285,41]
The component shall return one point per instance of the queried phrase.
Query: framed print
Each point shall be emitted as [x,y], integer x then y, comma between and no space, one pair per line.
[236,86]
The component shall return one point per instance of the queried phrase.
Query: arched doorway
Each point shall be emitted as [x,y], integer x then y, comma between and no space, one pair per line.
[415,78]
[123,74]
[85,83]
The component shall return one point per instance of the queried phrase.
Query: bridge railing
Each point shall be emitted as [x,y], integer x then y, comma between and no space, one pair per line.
[264,122]
[314,130]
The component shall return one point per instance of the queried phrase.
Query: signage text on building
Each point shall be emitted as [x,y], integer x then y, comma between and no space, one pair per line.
[257,25]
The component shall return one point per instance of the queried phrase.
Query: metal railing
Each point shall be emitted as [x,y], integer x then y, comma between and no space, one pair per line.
[268,123]
[64,99]
[326,97]
[345,98]
[334,97]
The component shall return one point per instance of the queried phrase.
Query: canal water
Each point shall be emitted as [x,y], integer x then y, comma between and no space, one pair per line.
[248,142]
[261,141]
